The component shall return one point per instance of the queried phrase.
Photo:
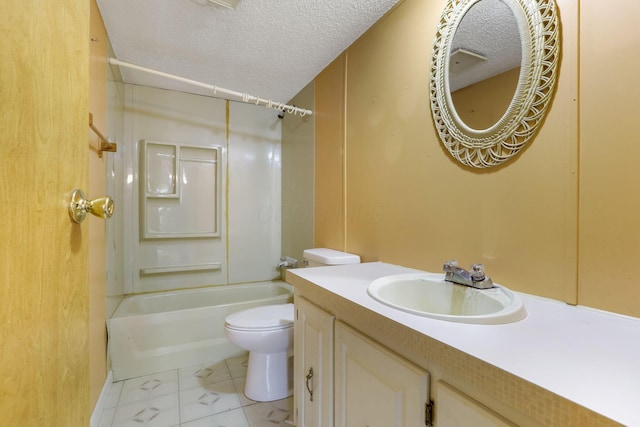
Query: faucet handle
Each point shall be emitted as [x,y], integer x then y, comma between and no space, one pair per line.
[477,272]
[480,280]
[449,265]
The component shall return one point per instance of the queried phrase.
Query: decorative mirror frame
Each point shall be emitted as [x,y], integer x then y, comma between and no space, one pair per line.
[538,26]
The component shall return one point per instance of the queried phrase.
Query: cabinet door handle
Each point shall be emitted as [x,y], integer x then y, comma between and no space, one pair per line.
[309,381]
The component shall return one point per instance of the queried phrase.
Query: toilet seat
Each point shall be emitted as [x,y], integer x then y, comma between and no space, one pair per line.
[262,319]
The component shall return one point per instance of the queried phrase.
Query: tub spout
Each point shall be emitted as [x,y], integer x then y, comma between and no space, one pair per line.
[288,262]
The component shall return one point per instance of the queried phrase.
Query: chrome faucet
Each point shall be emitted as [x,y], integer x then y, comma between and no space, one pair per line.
[288,262]
[475,277]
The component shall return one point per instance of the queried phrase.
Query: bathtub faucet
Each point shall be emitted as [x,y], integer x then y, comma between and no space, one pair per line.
[288,262]
[475,277]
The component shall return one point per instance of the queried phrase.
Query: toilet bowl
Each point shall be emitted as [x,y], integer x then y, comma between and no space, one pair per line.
[267,333]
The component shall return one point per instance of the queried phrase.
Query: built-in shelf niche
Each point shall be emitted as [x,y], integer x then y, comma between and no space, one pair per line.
[180,188]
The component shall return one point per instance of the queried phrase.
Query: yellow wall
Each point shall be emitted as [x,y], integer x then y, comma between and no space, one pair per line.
[329,157]
[44,314]
[96,188]
[482,104]
[609,153]
[560,220]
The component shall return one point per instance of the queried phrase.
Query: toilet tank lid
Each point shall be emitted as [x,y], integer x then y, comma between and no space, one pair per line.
[330,256]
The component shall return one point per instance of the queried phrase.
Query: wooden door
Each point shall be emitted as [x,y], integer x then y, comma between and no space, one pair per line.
[44,309]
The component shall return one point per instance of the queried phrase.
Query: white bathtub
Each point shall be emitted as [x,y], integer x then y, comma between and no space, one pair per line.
[157,332]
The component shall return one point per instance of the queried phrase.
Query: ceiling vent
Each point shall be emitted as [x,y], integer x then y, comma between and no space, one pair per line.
[462,59]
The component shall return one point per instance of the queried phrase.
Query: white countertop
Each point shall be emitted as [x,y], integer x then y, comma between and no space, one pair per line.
[587,356]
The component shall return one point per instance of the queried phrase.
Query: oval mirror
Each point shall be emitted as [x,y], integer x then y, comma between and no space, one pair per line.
[492,76]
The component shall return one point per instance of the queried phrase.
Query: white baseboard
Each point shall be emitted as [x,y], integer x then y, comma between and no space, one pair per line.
[102,400]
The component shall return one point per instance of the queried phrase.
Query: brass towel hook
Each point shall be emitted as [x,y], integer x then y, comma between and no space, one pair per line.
[101,207]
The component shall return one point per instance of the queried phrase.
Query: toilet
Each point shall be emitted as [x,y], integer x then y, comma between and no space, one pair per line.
[267,333]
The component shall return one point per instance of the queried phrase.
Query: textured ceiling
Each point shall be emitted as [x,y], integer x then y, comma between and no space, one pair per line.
[266,48]
[489,29]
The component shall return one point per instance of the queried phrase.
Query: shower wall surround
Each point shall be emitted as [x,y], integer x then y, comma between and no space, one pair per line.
[115,182]
[240,147]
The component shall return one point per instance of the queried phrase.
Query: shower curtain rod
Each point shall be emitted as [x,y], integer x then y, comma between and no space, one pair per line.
[239,96]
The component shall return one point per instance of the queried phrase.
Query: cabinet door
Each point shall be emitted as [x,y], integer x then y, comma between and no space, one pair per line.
[458,410]
[374,387]
[313,361]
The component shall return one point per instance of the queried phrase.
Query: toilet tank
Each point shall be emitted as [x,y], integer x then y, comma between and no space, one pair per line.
[323,256]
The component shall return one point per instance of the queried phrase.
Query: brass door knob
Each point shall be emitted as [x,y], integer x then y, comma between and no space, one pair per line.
[101,207]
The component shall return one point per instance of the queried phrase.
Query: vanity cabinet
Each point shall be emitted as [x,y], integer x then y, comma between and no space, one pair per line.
[345,379]
[455,409]
[372,345]
[375,387]
[313,365]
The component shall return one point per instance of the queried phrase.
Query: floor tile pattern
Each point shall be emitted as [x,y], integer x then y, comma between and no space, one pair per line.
[209,395]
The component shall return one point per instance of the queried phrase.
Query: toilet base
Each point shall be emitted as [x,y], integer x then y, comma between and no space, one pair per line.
[269,376]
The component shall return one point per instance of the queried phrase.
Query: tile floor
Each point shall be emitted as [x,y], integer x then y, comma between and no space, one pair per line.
[209,395]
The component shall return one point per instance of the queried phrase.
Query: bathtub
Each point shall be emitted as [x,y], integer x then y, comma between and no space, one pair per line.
[157,332]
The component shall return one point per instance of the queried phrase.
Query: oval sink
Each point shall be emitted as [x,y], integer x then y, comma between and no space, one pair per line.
[429,295]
